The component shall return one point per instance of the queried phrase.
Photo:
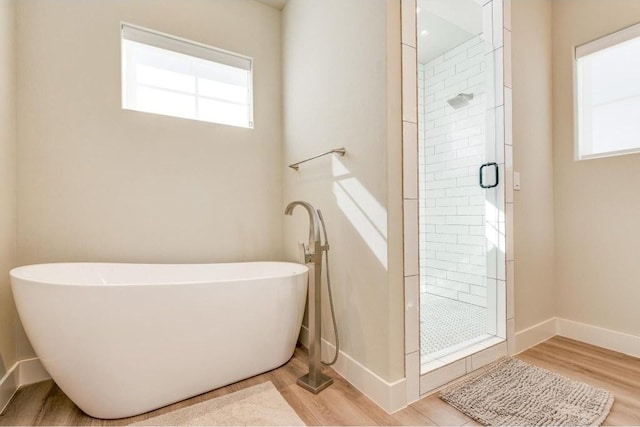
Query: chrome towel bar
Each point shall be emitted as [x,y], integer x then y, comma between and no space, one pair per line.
[340,151]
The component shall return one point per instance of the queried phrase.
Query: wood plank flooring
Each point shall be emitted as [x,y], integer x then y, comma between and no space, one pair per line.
[341,404]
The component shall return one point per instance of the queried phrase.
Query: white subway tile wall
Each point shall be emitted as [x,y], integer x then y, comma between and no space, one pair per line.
[451,148]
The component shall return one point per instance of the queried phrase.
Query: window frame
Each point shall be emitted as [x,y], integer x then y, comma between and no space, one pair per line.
[592,47]
[179,45]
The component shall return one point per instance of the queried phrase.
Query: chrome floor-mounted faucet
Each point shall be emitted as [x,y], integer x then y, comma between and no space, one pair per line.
[315,381]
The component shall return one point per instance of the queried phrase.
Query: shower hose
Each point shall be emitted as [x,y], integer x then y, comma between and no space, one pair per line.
[333,314]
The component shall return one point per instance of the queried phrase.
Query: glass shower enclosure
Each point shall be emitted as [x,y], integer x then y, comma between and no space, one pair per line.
[460,159]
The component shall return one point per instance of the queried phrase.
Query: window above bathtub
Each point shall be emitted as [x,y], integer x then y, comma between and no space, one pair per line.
[608,95]
[167,75]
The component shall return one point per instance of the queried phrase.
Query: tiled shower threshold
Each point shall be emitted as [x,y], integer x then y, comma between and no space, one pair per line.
[432,361]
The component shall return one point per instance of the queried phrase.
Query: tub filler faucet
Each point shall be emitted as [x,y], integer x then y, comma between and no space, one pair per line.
[315,381]
[313,250]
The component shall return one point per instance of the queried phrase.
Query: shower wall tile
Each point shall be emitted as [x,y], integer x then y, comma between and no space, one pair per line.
[497,24]
[507,58]
[412,314]
[501,309]
[507,14]
[409,84]
[412,83]
[508,131]
[408,8]
[508,173]
[411,266]
[509,232]
[412,373]
[410,160]
[492,315]
[487,23]
[490,133]
[511,337]
[441,291]
[450,151]
[472,299]
[510,289]
[499,142]
[498,58]
[508,119]
[501,258]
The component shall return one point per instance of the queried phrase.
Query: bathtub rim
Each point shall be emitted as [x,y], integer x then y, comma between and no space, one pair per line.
[15,273]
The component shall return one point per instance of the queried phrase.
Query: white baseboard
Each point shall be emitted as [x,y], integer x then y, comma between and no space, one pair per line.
[535,334]
[601,337]
[594,335]
[31,371]
[390,396]
[23,372]
[8,387]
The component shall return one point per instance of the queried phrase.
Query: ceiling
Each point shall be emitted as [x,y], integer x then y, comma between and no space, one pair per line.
[276,4]
[445,24]
[442,24]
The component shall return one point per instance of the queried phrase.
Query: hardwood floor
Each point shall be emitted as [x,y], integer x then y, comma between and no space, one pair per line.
[341,404]
[616,372]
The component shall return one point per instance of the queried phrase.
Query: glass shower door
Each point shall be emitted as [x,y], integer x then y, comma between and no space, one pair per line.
[460,168]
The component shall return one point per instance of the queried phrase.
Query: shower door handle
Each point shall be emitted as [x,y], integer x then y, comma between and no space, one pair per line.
[497,180]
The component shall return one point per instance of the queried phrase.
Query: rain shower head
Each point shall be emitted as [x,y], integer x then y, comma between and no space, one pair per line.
[460,100]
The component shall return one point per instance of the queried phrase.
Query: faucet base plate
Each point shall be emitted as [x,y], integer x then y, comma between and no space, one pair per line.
[321,382]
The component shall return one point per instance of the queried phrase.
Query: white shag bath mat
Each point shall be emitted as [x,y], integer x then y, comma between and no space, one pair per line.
[512,392]
[260,405]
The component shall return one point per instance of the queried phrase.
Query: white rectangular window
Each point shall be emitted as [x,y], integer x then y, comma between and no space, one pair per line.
[168,75]
[608,95]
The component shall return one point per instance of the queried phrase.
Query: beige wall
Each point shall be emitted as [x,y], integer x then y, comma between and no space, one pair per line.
[335,82]
[597,202]
[7,182]
[535,293]
[99,183]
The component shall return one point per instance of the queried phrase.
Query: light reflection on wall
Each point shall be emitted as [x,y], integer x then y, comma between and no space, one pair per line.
[367,216]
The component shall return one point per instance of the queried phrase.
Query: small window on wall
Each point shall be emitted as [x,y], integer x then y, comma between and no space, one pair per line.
[608,95]
[168,75]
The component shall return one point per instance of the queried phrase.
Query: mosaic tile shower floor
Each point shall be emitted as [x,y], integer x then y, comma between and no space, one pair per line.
[446,323]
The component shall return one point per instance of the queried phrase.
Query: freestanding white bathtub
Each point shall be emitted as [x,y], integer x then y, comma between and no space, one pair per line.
[123,339]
